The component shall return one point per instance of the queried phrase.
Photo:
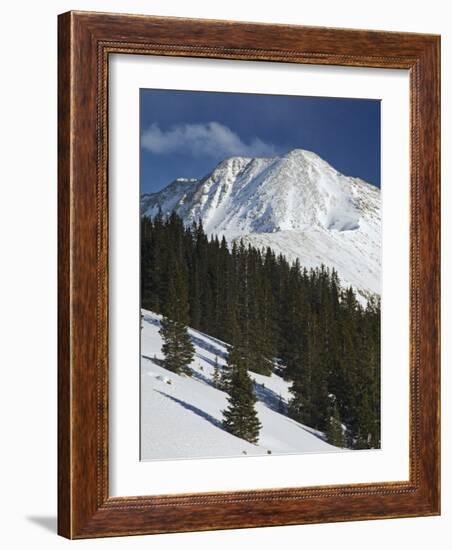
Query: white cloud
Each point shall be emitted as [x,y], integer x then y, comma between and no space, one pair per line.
[212,139]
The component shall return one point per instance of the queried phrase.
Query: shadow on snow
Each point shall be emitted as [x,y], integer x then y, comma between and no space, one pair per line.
[216,349]
[151,320]
[193,409]
[268,397]
[264,394]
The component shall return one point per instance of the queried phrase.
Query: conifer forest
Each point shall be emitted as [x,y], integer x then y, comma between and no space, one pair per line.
[274,316]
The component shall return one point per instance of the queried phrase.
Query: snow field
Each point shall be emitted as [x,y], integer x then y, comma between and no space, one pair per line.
[181,416]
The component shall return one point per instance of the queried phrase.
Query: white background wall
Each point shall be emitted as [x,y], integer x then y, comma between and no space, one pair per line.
[28,270]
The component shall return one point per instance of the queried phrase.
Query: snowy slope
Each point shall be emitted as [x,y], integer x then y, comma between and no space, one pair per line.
[296,203]
[181,416]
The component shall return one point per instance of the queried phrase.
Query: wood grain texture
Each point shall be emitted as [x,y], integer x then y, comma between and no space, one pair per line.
[85,42]
[64,295]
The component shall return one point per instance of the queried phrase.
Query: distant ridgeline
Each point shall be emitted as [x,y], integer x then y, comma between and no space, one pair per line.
[281,315]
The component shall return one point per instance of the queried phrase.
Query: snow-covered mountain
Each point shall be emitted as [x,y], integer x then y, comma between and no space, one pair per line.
[181,416]
[297,204]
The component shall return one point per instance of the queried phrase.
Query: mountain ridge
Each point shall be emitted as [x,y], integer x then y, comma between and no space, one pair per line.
[296,203]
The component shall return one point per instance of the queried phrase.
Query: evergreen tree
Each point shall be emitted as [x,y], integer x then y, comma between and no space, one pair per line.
[177,346]
[224,383]
[149,273]
[334,431]
[281,405]
[318,398]
[364,425]
[216,373]
[240,418]
[299,406]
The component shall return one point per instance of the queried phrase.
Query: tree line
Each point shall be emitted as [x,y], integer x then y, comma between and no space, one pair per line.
[274,314]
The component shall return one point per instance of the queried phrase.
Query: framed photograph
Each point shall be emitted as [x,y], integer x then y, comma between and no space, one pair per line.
[248,275]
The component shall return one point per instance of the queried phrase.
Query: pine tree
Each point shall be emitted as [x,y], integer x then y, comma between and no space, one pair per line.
[240,418]
[334,432]
[364,424]
[299,406]
[177,346]
[224,383]
[216,373]
[281,405]
[318,400]
[149,273]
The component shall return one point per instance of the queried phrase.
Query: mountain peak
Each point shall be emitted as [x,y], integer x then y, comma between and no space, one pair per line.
[294,198]
[301,154]
[303,158]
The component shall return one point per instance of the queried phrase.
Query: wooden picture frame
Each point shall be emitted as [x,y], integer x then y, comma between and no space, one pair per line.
[85,508]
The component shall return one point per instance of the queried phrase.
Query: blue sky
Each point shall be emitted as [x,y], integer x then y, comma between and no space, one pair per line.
[186,134]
